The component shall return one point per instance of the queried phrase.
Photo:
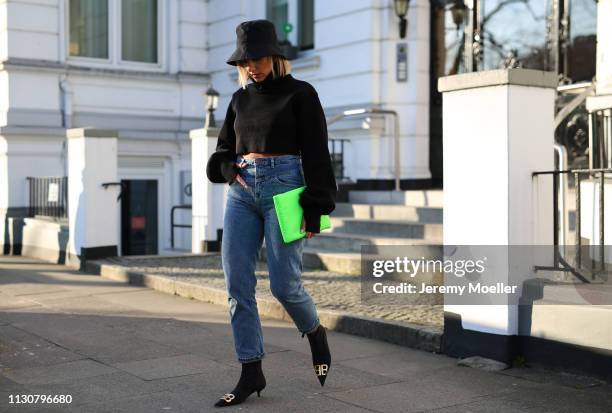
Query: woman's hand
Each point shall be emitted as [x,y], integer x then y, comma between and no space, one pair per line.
[308,234]
[239,179]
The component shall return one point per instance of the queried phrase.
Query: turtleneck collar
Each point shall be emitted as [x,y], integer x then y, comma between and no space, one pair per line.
[269,83]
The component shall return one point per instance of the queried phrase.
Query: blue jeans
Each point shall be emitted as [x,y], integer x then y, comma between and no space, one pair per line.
[249,217]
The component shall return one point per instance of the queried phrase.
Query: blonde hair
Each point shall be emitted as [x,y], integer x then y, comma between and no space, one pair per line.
[280,67]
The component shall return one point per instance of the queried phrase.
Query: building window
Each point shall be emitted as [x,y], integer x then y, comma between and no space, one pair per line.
[582,53]
[134,38]
[299,14]
[306,25]
[278,13]
[89,28]
[506,42]
[139,30]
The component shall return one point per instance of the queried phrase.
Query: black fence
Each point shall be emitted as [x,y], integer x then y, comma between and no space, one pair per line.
[601,139]
[562,263]
[48,196]
[337,156]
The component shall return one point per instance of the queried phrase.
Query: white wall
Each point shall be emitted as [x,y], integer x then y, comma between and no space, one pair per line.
[43,91]
[589,217]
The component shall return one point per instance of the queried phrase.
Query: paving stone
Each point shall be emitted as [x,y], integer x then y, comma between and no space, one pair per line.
[57,372]
[482,363]
[434,389]
[162,367]
[19,349]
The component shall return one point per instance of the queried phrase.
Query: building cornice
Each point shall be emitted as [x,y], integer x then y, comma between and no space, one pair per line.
[37,65]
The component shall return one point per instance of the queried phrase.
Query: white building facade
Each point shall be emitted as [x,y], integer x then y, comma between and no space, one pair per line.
[142,68]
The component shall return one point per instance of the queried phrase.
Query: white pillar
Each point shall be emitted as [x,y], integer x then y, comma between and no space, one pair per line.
[207,198]
[601,101]
[498,129]
[604,47]
[93,211]
[603,89]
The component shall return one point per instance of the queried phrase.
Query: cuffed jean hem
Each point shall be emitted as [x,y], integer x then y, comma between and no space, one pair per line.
[316,325]
[250,359]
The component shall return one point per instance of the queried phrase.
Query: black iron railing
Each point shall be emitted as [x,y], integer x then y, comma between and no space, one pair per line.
[48,196]
[173,225]
[559,262]
[600,139]
[337,156]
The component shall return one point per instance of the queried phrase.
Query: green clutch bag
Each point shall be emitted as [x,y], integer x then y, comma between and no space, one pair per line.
[290,213]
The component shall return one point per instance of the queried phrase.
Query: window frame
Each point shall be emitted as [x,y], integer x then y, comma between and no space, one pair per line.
[114,60]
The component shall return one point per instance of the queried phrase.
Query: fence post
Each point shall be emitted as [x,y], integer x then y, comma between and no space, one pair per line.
[498,129]
[207,199]
[93,211]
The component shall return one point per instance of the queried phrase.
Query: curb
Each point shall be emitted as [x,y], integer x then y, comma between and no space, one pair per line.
[401,333]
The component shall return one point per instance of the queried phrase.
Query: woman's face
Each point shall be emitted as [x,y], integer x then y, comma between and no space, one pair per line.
[258,68]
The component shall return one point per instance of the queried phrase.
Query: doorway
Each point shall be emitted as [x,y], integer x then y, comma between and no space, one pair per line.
[139,217]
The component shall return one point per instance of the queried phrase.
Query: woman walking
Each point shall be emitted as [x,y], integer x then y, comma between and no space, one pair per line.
[273,140]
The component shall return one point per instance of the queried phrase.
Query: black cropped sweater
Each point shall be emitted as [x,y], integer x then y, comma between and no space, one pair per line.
[282,115]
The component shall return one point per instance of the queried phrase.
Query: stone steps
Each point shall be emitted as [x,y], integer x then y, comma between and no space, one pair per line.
[348,242]
[431,215]
[376,218]
[573,313]
[342,262]
[420,198]
[337,261]
[387,228]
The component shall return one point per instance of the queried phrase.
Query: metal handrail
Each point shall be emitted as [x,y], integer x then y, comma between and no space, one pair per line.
[563,163]
[361,111]
[173,225]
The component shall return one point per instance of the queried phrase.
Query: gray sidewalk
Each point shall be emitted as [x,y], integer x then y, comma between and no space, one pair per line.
[116,347]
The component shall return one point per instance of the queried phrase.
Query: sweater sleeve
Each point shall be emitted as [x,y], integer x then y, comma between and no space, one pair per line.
[221,166]
[319,196]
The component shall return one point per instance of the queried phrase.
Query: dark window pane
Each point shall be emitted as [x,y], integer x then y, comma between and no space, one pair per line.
[139,30]
[583,40]
[515,31]
[306,25]
[88,23]
[448,39]
[277,11]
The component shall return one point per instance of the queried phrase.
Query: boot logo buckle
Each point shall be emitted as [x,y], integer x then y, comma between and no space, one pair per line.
[228,397]
[321,369]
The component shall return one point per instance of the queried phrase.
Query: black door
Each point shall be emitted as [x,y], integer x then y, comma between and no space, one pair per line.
[139,217]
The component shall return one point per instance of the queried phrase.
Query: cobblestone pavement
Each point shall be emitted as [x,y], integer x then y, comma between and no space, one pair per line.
[329,290]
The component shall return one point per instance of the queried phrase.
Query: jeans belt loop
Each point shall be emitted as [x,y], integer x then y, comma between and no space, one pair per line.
[272,162]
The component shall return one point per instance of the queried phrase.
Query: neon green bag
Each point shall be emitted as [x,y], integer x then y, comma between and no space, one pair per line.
[290,213]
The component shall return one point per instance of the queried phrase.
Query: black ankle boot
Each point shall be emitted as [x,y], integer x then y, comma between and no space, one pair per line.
[321,358]
[251,379]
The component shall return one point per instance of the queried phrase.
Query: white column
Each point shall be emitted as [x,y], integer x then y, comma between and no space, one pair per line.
[602,100]
[208,199]
[498,129]
[92,210]
[604,47]
[603,88]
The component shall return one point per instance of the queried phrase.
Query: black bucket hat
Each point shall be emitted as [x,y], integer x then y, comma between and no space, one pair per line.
[255,39]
